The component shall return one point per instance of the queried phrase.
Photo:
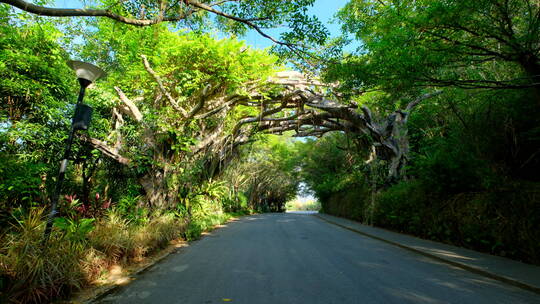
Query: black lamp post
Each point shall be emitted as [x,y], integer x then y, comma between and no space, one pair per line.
[86,73]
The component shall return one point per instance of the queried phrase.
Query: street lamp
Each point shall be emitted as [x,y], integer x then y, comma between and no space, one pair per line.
[86,74]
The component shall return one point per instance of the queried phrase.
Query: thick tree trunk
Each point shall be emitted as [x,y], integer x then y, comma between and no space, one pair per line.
[531,65]
[400,140]
[159,193]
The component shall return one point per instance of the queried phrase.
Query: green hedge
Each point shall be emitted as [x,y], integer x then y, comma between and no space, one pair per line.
[503,222]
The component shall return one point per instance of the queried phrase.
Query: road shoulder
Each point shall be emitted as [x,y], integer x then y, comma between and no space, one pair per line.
[508,271]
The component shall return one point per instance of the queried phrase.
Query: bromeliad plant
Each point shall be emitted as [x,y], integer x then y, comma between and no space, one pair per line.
[78,218]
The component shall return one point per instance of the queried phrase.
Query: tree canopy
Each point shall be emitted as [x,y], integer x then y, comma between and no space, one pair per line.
[430,126]
[229,16]
[465,44]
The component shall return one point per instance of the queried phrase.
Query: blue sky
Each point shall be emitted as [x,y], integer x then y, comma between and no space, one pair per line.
[323,9]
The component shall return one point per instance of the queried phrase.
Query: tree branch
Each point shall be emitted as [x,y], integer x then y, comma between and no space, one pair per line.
[220,108]
[128,107]
[84,12]
[240,20]
[105,149]
[414,103]
[162,88]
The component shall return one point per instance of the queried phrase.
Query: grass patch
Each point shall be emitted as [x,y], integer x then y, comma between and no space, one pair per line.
[297,205]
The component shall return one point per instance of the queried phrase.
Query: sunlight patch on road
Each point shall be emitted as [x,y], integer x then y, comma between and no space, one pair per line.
[180,268]
[118,276]
[252,218]
[445,253]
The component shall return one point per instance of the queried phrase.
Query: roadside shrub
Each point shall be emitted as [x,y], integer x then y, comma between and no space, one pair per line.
[403,207]
[350,202]
[80,250]
[450,167]
[494,221]
[121,241]
[159,231]
[488,221]
[112,237]
[204,223]
[33,272]
[234,202]
[491,221]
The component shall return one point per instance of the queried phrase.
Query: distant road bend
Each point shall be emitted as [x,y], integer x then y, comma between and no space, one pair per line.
[299,258]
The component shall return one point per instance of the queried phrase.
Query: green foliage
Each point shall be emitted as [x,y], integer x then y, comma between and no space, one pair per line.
[300,29]
[79,251]
[488,221]
[199,225]
[234,202]
[188,64]
[35,89]
[75,230]
[470,147]
[187,60]
[405,207]
[20,182]
[120,240]
[469,44]
[328,167]
[449,167]
[116,226]
[350,202]
[33,66]
[466,176]
[267,175]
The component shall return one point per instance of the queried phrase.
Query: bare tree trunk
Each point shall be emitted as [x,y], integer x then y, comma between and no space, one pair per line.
[373,178]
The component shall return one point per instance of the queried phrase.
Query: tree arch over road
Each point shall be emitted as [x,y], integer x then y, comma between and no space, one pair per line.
[287,101]
[316,111]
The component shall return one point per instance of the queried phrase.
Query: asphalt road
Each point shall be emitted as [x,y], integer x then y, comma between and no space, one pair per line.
[298,258]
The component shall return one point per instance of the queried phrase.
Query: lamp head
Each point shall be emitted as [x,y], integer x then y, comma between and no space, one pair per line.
[86,72]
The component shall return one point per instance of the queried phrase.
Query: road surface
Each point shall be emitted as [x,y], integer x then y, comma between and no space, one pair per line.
[298,258]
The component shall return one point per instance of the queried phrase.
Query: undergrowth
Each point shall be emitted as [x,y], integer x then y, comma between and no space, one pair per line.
[34,272]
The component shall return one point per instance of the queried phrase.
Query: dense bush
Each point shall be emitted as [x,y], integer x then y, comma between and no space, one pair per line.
[490,221]
[404,207]
[448,166]
[36,88]
[501,221]
[352,203]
